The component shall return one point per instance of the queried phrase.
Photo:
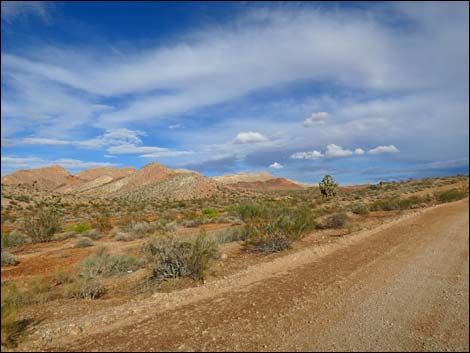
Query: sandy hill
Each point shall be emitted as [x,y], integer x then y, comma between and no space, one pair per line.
[259,181]
[46,178]
[114,173]
[243,177]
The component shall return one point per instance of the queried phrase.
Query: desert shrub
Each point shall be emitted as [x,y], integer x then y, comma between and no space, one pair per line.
[209,212]
[359,208]
[102,223]
[164,226]
[63,276]
[12,239]
[278,230]
[450,195]
[170,257]
[43,227]
[11,326]
[191,223]
[245,212]
[83,243]
[84,288]
[328,186]
[228,235]
[92,234]
[338,220]
[386,204]
[101,263]
[68,235]
[79,228]
[121,263]
[8,259]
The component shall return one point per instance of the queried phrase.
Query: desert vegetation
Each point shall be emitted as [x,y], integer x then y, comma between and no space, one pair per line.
[118,248]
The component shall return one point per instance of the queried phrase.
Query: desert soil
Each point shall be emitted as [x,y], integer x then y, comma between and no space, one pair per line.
[402,286]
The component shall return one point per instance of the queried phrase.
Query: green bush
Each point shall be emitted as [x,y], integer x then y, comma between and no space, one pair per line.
[170,257]
[359,208]
[278,229]
[8,259]
[386,205]
[10,240]
[451,195]
[246,212]
[43,227]
[11,326]
[101,263]
[228,235]
[79,228]
[209,212]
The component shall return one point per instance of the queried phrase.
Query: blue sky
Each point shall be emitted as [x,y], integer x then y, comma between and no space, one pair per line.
[365,92]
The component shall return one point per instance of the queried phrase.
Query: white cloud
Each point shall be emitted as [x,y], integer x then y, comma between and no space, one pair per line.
[307,155]
[359,151]
[384,149]
[250,137]
[316,119]
[351,49]
[11,163]
[175,126]
[276,165]
[14,9]
[334,151]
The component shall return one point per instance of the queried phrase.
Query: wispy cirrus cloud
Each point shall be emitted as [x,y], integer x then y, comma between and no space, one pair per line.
[12,10]
[12,163]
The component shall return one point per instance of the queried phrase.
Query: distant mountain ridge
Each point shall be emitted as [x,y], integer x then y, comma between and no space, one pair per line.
[153,181]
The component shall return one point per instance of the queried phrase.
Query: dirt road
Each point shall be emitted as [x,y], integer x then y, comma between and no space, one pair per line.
[403,287]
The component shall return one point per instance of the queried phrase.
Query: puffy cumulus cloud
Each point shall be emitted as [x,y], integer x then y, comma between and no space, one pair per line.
[250,137]
[316,119]
[307,155]
[276,165]
[333,151]
[359,151]
[383,149]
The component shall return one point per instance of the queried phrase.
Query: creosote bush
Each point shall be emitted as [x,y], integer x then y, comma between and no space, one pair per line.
[360,209]
[8,259]
[101,263]
[43,227]
[10,240]
[171,257]
[451,195]
[278,229]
